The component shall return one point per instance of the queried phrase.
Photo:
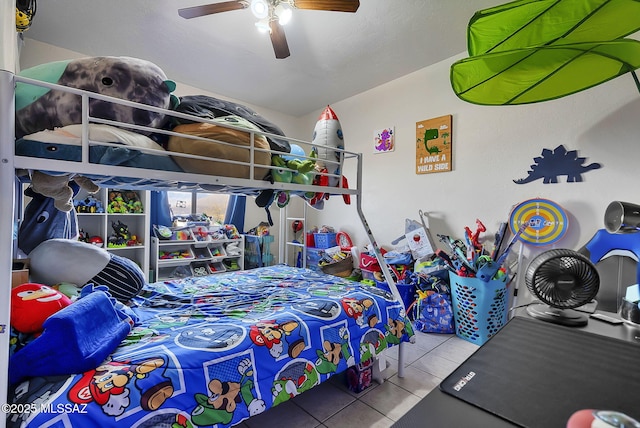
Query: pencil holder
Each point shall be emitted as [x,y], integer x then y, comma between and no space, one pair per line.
[479,308]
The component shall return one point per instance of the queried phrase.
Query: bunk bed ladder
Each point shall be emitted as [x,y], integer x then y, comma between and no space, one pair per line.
[383,264]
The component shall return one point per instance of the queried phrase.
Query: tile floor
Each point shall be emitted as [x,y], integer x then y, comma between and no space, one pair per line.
[332,405]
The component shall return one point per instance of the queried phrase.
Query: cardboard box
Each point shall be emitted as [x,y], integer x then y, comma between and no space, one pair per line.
[19,272]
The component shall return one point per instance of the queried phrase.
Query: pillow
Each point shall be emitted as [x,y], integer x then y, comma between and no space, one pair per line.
[210,108]
[64,260]
[75,339]
[212,149]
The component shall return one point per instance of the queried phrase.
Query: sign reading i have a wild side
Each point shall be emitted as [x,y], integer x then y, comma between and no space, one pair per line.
[433,145]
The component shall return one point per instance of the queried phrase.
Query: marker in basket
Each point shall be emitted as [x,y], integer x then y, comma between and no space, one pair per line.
[505,253]
[499,237]
[490,269]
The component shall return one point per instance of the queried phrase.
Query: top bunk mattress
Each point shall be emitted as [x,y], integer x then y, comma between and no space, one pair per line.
[127,148]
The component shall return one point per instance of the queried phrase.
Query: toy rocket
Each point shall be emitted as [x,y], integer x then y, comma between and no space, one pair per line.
[328,134]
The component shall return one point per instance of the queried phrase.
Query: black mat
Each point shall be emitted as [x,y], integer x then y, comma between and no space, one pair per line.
[537,374]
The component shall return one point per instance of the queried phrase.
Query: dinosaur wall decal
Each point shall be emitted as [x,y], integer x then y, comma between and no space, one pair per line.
[558,161]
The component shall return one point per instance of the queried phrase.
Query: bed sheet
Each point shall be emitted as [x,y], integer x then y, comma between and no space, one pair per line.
[215,350]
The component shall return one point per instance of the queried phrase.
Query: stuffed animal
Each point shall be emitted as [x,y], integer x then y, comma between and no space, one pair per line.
[132,79]
[237,149]
[64,260]
[32,304]
[57,187]
[292,170]
[42,221]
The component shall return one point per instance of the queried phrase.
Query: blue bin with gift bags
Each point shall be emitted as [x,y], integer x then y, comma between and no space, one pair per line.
[407,291]
[480,309]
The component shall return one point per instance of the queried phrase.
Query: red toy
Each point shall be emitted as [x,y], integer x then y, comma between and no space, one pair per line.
[32,304]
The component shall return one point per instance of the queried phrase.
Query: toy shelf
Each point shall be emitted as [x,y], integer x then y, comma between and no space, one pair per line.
[205,257]
[99,215]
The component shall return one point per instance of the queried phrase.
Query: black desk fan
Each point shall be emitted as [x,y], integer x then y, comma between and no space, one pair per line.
[562,279]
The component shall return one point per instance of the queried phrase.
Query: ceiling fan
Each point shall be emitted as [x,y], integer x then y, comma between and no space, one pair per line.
[272,14]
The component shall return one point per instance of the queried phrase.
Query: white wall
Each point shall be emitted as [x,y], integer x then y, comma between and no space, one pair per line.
[491,147]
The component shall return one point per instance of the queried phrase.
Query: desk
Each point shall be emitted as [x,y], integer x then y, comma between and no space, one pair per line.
[439,409]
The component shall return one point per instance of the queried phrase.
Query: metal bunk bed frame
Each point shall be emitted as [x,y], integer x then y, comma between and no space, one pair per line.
[145,179]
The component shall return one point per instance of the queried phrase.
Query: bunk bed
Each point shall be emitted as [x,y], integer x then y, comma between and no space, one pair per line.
[204,350]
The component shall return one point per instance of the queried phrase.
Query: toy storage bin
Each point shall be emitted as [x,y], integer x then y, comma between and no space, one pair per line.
[200,269]
[174,272]
[314,255]
[216,267]
[342,268]
[176,252]
[479,308]
[201,252]
[406,291]
[324,240]
[217,251]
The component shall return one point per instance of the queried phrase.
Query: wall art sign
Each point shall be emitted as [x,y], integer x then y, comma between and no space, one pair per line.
[433,145]
[384,140]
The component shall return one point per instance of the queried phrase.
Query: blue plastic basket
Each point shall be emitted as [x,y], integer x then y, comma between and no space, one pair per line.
[324,240]
[479,308]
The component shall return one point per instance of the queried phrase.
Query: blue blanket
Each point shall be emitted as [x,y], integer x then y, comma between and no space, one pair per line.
[215,350]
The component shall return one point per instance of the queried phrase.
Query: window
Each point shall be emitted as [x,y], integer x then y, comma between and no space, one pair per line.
[213,205]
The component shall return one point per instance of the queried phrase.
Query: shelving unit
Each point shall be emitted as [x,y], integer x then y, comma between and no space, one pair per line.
[174,259]
[101,224]
[289,248]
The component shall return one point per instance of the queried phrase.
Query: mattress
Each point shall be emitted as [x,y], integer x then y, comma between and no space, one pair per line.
[65,144]
[215,350]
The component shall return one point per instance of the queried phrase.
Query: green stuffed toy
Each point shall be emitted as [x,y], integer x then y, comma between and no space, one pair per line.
[292,170]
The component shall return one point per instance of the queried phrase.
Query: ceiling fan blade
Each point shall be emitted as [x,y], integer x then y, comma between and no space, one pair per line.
[209,9]
[279,40]
[331,5]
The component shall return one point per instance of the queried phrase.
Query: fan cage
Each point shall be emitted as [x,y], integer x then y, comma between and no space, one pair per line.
[562,278]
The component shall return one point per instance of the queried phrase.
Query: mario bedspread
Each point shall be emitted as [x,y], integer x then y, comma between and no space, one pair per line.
[215,350]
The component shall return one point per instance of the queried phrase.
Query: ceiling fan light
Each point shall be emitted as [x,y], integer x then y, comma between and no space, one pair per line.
[284,12]
[260,8]
[263,25]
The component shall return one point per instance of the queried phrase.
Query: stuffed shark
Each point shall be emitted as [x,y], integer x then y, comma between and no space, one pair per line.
[132,79]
